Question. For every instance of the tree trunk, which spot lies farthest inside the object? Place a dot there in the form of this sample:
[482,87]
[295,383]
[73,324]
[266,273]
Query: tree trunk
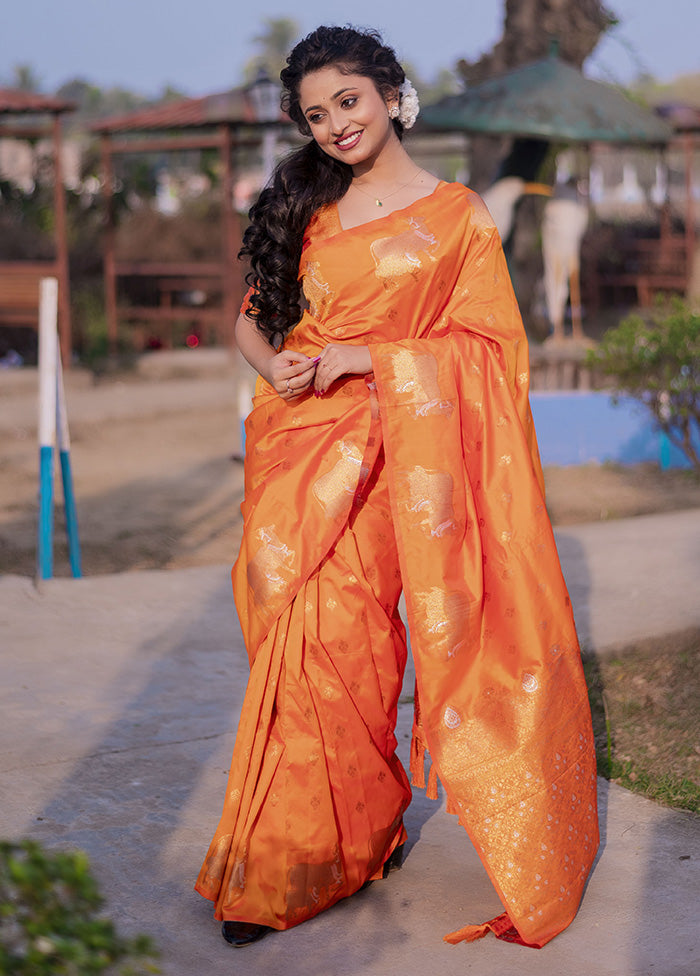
[530,27]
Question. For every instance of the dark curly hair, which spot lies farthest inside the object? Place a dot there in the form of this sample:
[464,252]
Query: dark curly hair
[308,178]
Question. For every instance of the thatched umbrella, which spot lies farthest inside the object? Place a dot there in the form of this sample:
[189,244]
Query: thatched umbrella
[550,100]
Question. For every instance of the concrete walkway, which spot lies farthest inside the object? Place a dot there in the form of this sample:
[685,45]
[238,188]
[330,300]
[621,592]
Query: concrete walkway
[120,697]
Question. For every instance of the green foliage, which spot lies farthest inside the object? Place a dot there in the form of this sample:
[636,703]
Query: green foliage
[671,791]
[274,43]
[50,922]
[656,360]
[91,340]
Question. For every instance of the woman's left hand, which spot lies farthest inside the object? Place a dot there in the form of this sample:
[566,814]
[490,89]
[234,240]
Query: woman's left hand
[339,359]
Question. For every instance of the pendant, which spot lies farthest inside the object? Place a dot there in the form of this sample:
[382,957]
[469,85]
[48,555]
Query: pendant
[379,202]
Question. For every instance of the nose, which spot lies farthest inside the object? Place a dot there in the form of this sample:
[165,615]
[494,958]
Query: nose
[338,123]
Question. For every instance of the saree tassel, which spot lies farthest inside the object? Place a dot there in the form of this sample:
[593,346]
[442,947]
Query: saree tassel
[469,933]
[451,806]
[417,761]
[432,791]
[501,926]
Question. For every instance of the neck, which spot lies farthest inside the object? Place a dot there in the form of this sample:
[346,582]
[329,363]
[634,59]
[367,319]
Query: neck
[388,167]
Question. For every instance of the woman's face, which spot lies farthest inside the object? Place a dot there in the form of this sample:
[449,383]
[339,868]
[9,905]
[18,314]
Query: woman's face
[347,116]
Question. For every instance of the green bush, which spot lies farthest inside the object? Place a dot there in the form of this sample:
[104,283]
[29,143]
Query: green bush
[50,921]
[656,360]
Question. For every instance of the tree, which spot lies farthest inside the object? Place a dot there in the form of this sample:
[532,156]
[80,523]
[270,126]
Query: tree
[275,40]
[529,28]
[657,361]
[25,78]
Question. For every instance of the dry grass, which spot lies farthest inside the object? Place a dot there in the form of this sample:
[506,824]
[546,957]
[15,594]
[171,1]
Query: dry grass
[646,718]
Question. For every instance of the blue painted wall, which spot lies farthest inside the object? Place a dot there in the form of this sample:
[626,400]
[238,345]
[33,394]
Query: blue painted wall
[580,428]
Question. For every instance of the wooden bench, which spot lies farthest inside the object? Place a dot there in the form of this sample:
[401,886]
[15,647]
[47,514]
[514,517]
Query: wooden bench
[649,266]
[174,284]
[19,292]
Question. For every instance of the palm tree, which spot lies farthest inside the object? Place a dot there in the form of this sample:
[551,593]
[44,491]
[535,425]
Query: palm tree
[25,78]
[274,41]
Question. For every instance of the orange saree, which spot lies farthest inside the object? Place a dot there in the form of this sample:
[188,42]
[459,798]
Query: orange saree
[423,475]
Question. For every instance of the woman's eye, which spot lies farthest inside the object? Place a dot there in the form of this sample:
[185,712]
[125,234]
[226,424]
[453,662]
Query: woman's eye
[313,119]
[349,102]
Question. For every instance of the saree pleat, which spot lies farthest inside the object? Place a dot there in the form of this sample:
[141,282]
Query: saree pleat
[423,475]
[316,794]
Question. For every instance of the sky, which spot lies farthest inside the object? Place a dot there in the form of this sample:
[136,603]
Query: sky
[200,46]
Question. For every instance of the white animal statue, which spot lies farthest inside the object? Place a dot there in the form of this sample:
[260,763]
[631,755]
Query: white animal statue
[563,225]
[500,198]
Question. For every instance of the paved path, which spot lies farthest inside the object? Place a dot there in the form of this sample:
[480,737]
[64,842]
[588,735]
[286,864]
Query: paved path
[120,696]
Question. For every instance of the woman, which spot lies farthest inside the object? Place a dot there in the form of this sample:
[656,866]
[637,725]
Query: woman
[391,445]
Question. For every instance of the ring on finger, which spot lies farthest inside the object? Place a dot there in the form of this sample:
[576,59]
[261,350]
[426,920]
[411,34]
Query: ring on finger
[289,388]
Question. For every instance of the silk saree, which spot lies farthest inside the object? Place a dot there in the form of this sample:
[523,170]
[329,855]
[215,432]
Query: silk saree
[424,476]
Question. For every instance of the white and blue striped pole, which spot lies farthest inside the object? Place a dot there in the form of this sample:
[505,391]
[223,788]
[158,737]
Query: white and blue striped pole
[67,474]
[48,353]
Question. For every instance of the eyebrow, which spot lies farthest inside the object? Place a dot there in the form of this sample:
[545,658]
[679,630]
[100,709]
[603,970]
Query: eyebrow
[313,108]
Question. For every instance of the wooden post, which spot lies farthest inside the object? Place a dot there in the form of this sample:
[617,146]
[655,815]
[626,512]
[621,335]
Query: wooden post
[61,238]
[689,208]
[109,271]
[229,235]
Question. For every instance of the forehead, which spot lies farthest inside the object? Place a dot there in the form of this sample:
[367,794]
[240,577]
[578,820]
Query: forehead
[321,86]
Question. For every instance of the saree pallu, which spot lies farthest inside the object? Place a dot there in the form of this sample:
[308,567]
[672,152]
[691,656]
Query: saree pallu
[422,475]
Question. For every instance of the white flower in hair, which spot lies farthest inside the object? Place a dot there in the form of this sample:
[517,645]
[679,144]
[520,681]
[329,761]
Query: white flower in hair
[409,106]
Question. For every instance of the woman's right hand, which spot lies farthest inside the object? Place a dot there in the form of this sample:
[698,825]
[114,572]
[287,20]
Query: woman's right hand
[290,373]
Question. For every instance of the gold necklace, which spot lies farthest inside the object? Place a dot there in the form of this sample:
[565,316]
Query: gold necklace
[378,202]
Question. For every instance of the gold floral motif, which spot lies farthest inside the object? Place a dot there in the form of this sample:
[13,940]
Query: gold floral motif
[443,619]
[403,253]
[271,568]
[430,497]
[416,382]
[335,489]
[316,290]
[238,873]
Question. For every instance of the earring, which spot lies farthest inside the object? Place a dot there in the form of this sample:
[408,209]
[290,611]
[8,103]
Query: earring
[394,112]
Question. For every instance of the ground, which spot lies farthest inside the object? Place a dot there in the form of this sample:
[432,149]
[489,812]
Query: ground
[158,478]
[159,481]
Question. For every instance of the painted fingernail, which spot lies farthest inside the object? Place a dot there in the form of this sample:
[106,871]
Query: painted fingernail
[316,360]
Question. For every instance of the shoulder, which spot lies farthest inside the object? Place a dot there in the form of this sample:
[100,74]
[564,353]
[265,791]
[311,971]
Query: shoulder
[475,210]
[322,224]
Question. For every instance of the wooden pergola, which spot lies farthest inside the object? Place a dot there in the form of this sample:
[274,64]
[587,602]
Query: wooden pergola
[19,280]
[226,122]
